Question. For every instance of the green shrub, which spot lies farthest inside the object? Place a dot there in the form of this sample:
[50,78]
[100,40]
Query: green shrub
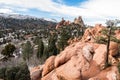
[2,73]
[101,40]
[20,72]
[23,73]
[114,39]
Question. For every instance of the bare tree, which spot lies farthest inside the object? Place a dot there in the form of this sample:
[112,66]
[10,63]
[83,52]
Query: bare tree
[110,24]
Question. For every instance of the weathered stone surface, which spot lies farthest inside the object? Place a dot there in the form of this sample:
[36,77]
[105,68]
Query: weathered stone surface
[100,55]
[72,69]
[72,64]
[114,48]
[91,33]
[48,66]
[65,55]
[88,52]
[110,73]
[94,69]
[62,23]
[51,76]
[79,21]
[36,72]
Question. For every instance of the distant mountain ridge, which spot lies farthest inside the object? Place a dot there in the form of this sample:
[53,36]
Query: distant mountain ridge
[17,16]
[23,21]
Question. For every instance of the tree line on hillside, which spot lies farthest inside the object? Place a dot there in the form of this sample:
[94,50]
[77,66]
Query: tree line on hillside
[49,41]
[28,23]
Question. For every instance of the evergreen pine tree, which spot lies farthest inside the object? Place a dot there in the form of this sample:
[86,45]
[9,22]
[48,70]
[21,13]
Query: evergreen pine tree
[8,50]
[52,44]
[40,49]
[27,50]
[110,24]
[63,37]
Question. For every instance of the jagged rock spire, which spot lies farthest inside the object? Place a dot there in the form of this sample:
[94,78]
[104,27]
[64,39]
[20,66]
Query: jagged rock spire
[79,21]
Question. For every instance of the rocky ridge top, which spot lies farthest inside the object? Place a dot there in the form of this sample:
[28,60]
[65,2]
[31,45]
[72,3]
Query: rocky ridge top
[81,60]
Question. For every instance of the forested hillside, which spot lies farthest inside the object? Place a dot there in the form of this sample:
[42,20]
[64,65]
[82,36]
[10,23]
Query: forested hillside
[23,22]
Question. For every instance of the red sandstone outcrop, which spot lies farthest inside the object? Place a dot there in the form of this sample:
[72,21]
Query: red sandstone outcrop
[110,73]
[77,21]
[36,72]
[114,47]
[62,23]
[113,51]
[91,33]
[48,66]
[83,60]
[74,64]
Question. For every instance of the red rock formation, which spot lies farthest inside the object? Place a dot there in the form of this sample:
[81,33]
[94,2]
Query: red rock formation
[79,21]
[72,64]
[91,33]
[63,22]
[36,72]
[110,73]
[83,60]
[49,66]
[60,23]
[113,51]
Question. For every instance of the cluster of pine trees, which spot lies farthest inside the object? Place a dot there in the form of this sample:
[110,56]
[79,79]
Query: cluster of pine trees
[53,44]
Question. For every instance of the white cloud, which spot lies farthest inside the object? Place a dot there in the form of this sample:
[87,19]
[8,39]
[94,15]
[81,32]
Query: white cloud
[104,7]
[6,11]
[94,10]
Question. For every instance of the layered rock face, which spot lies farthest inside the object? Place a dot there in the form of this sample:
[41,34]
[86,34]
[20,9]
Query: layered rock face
[62,23]
[91,33]
[83,60]
[36,72]
[77,21]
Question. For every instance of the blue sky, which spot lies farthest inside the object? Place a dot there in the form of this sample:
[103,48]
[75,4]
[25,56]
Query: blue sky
[92,11]
[70,2]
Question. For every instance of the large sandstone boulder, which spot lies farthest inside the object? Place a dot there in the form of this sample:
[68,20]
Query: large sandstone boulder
[113,51]
[80,61]
[88,52]
[72,69]
[75,62]
[72,64]
[114,48]
[66,55]
[100,55]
